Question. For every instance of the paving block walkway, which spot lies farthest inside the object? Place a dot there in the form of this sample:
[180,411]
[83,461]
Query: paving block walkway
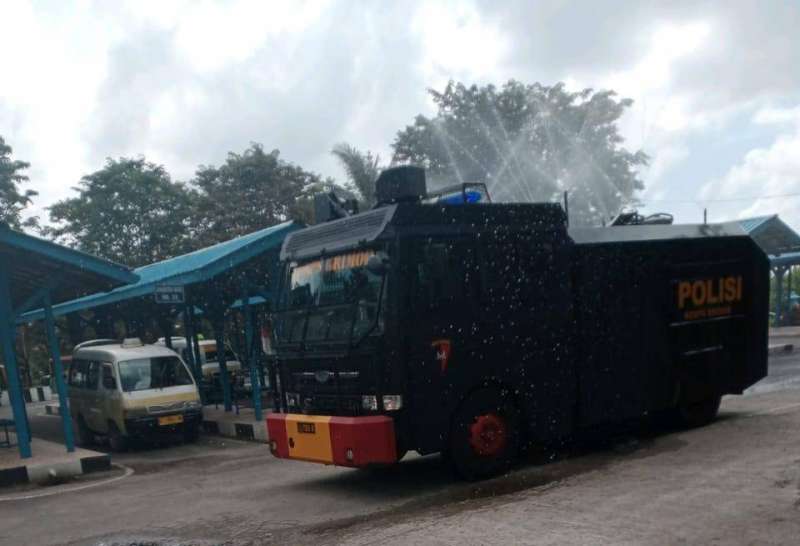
[50,462]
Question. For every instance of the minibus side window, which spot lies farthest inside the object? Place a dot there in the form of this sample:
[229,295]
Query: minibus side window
[92,374]
[107,377]
[77,373]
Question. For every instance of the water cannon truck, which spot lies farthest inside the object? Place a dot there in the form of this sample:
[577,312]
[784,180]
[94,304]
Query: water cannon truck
[443,322]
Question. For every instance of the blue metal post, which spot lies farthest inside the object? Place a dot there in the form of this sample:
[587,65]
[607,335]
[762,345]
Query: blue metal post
[194,361]
[779,272]
[10,359]
[58,370]
[219,334]
[255,380]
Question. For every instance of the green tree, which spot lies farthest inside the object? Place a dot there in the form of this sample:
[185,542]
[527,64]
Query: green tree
[251,191]
[362,170]
[12,200]
[528,143]
[129,211]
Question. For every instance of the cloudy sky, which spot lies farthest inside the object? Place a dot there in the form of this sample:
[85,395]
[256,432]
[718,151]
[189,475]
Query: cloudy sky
[716,84]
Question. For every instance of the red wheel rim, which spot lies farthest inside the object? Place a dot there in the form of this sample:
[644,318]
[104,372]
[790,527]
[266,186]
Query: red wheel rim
[488,435]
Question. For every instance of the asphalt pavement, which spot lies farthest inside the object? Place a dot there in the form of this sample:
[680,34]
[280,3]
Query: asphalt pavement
[736,481]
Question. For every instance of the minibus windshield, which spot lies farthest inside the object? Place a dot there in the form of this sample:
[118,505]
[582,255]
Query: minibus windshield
[160,372]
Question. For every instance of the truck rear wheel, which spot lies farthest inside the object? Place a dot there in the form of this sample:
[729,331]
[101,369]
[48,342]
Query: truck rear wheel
[696,412]
[484,435]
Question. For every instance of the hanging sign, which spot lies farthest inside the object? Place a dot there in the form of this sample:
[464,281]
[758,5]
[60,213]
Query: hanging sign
[169,295]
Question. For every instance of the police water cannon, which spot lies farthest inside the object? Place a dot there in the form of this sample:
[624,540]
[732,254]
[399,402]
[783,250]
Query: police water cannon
[439,322]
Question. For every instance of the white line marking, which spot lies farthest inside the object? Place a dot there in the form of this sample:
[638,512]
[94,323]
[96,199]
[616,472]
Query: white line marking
[128,472]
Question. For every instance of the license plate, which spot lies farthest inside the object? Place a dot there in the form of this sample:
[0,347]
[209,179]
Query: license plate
[170,420]
[306,428]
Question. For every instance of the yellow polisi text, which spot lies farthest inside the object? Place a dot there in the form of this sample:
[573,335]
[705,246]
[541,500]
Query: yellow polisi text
[706,292]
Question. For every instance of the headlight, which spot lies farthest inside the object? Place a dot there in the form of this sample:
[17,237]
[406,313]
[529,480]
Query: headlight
[392,402]
[193,404]
[292,399]
[369,402]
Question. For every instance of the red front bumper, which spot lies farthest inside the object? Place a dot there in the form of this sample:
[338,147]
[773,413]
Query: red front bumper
[343,441]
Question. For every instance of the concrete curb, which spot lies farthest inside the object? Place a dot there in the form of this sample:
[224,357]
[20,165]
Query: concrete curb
[781,348]
[35,394]
[241,430]
[253,431]
[48,473]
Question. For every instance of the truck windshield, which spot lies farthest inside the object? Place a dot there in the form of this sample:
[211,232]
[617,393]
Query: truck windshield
[335,296]
[141,374]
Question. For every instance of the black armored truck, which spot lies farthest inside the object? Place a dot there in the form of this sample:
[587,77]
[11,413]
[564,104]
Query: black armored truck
[448,323]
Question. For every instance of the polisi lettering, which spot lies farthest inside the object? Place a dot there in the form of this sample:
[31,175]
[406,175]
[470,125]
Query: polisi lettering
[703,292]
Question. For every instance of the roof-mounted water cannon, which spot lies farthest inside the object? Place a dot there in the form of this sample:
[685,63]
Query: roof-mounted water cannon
[400,184]
[329,206]
[633,218]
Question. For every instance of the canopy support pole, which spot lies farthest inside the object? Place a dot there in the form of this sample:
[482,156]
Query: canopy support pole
[58,371]
[219,334]
[779,272]
[7,331]
[255,379]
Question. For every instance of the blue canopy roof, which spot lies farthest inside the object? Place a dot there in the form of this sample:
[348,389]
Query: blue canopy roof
[751,225]
[36,267]
[195,267]
[772,234]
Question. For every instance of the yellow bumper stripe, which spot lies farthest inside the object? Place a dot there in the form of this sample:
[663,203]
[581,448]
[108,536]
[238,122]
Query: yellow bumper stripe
[309,437]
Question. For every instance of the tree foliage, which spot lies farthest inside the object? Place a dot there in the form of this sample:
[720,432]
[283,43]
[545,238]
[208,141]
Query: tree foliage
[251,191]
[528,143]
[129,211]
[13,200]
[362,170]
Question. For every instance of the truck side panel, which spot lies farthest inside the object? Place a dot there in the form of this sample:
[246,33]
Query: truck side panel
[653,315]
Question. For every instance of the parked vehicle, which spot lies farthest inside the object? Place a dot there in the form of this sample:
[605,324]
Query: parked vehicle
[131,390]
[450,324]
[210,365]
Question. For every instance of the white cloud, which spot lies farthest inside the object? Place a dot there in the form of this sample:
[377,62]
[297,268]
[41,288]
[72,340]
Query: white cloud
[458,44]
[769,177]
[773,116]
[185,82]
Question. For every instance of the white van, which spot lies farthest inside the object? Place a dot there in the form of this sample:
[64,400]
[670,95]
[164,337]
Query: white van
[131,390]
[208,356]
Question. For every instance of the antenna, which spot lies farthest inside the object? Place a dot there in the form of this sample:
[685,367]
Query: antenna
[705,216]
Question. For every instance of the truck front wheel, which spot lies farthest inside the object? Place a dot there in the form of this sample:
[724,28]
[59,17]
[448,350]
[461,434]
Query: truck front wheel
[484,435]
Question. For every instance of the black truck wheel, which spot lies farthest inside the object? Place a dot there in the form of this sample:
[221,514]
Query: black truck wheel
[692,412]
[484,435]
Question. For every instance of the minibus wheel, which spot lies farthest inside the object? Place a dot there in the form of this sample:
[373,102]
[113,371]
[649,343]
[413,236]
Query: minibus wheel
[484,435]
[191,433]
[116,440]
[85,436]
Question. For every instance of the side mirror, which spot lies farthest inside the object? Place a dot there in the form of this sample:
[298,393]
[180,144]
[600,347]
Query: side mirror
[378,264]
[109,383]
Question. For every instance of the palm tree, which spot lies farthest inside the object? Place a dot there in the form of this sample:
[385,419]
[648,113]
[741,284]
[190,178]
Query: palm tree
[362,169]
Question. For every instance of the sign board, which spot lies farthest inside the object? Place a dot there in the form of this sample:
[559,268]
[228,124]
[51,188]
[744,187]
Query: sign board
[170,295]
